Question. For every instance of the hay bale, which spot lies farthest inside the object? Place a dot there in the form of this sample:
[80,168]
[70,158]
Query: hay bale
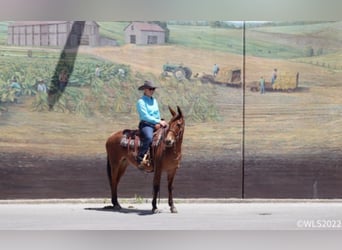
[285,81]
[227,75]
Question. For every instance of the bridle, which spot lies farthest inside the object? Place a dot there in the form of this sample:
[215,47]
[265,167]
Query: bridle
[178,134]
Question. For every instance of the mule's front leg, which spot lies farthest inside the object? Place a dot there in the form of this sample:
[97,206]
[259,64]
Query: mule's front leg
[170,177]
[156,189]
[173,209]
[116,204]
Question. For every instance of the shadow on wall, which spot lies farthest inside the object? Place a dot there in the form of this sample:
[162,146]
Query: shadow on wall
[65,65]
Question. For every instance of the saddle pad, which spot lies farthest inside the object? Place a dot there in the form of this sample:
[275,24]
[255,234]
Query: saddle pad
[130,138]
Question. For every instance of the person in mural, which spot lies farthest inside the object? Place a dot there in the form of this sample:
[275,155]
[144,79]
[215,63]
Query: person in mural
[63,79]
[216,69]
[149,115]
[41,87]
[97,71]
[262,85]
[121,72]
[16,86]
[274,76]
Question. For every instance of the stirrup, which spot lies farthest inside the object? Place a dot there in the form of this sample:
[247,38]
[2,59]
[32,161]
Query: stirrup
[145,168]
[145,165]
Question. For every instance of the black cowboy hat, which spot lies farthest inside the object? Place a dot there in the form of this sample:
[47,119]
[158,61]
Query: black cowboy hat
[147,85]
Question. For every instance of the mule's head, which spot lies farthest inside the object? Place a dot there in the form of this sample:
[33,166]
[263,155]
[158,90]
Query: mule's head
[176,128]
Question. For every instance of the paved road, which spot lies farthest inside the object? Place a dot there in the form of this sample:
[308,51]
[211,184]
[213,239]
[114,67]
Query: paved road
[191,216]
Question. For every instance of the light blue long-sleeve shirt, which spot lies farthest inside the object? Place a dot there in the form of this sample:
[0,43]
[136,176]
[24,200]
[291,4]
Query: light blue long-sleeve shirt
[148,109]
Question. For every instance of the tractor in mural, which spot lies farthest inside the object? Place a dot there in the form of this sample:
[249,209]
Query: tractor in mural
[179,71]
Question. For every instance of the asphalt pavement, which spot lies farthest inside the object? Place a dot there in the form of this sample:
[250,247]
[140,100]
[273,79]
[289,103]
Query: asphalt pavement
[192,215]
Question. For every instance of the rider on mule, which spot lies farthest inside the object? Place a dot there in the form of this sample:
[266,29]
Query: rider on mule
[149,115]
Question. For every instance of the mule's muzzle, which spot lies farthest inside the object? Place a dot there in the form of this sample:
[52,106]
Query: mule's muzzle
[169,143]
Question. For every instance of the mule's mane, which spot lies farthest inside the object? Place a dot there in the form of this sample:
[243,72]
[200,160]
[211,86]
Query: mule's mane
[160,149]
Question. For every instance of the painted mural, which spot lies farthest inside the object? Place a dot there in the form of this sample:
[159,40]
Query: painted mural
[261,101]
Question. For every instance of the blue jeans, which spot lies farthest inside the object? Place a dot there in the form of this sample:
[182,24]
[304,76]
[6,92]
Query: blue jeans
[146,131]
[62,86]
[262,88]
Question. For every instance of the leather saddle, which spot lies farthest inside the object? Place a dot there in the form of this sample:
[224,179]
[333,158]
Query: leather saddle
[131,138]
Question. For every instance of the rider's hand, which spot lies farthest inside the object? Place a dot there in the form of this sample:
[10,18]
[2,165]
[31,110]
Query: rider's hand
[163,123]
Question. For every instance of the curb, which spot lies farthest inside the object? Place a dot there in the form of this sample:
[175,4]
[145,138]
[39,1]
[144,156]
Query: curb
[107,201]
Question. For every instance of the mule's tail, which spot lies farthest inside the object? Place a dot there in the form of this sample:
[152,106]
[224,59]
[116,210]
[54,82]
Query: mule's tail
[109,171]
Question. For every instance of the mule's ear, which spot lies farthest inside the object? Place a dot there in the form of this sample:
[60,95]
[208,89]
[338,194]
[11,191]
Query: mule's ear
[173,113]
[179,111]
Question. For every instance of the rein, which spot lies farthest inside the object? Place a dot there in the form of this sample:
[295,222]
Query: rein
[177,135]
[159,148]
[174,133]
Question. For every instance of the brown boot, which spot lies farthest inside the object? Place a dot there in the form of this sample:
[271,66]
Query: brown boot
[145,165]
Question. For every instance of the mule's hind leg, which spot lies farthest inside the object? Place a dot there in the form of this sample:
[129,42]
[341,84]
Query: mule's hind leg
[119,170]
[170,178]
[112,172]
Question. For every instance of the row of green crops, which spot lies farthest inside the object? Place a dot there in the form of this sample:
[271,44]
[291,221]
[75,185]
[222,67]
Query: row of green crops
[110,95]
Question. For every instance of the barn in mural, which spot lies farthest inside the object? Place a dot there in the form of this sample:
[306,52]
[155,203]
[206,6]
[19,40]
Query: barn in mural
[51,33]
[144,33]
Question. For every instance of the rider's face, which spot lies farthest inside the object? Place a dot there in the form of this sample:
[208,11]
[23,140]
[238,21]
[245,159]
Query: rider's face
[149,92]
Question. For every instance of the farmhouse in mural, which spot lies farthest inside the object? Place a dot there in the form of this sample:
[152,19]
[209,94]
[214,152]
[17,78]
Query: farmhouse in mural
[51,33]
[144,33]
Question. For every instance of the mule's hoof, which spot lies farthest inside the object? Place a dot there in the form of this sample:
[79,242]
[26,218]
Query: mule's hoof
[173,210]
[156,211]
[116,207]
